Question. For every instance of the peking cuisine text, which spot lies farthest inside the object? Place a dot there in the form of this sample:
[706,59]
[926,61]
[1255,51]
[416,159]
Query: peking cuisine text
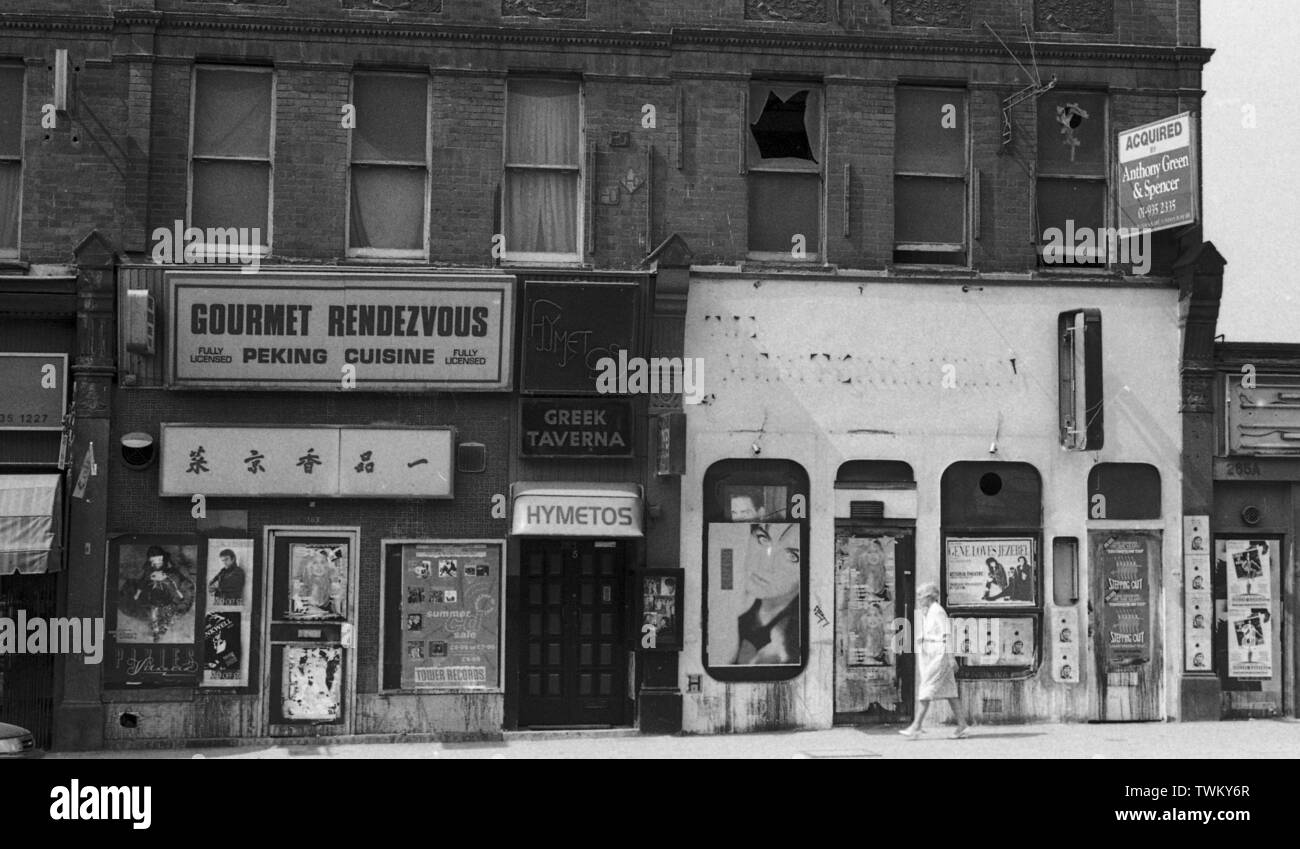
[351,320]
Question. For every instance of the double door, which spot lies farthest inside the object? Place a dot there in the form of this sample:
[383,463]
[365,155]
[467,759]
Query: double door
[572,662]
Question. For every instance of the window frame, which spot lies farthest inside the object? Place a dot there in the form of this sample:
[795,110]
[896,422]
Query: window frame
[812,257]
[546,258]
[961,251]
[421,253]
[1071,263]
[7,253]
[264,249]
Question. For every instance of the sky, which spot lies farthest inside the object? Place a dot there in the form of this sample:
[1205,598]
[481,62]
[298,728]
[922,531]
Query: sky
[1251,174]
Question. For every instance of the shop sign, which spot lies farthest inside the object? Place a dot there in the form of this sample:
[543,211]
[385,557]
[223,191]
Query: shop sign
[33,391]
[576,428]
[450,615]
[991,572]
[322,461]
[576,510]
[1158,174]
[568,327]
[318,331]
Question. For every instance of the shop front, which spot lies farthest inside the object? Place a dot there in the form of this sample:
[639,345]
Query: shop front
[303,535]
[859,438]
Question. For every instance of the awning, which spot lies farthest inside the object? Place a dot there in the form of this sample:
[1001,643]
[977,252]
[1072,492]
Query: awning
[29,524]
[576,510]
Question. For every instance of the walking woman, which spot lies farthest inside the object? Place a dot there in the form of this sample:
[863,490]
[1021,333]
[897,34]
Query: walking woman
[935,665]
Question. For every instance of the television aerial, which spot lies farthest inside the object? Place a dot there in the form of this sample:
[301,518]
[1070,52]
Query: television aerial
[1036,87]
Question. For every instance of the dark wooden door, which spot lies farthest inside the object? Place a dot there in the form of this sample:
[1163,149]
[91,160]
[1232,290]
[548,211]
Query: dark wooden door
[572,664]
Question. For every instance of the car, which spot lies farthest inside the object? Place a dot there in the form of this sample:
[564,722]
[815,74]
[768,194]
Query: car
[17,742]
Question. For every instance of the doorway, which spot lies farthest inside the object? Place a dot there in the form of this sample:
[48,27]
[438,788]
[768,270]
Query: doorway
[311,609]
[874,579]
[1123,608]
[572,658]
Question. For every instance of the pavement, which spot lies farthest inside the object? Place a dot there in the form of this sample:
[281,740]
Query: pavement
[1259,738]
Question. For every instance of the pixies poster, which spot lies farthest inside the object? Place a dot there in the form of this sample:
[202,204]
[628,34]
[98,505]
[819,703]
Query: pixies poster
[150,604]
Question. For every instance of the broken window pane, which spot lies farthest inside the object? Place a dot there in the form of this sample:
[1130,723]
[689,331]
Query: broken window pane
[1072,133]
[784,126]
[782,206]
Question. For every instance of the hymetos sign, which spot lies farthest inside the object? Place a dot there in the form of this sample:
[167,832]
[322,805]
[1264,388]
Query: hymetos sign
[322,331]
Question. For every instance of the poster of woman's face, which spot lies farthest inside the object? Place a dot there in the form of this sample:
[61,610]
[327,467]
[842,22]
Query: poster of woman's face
[318,581]
[155,593]
[754,594]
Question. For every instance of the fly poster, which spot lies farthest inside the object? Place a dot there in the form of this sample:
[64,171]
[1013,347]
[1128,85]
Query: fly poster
[988,572]
[150,606]
[866,676]
[227,619]
[1250,641]
[1249,568]
[451,615]
[312,681]
[1125,561]
[754,594]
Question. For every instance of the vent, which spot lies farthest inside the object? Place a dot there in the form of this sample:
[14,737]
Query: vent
[1251,515]
[866,510]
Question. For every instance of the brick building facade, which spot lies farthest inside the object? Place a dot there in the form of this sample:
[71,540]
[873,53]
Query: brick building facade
[765,184]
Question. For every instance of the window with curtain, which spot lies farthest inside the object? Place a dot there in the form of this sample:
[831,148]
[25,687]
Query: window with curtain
[930,175]
[230,174]
[11,156]
[543,180]
[389,174]
[783,159]
[1071,186]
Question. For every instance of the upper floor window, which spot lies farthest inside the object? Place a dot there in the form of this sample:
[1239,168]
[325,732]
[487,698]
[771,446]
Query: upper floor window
[11,157]
[543,171]
[390,173]
[931,166]
[231,144]
[1071,187]
[783,159]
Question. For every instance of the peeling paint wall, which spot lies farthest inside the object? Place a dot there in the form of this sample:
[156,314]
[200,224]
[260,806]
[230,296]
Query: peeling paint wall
[822,371]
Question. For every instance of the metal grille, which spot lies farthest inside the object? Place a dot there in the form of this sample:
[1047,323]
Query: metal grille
[866,509]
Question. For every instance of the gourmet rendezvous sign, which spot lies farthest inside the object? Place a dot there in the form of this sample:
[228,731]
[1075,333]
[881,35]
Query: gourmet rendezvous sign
[328,331]
[1158,174]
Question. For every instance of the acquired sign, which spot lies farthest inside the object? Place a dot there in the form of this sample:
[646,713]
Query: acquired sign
[33,392]
[1158,174]
[334,331]
[355,462]
[576,428]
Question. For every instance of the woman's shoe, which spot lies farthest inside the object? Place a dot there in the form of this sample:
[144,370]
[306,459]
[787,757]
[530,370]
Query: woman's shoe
[961,732]
[909,731]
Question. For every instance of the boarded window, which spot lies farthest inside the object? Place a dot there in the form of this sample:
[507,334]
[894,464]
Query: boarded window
[1072,167]
[231,169]
[389,165]
[543,170]
[930,175]
[11,156]
[783,156]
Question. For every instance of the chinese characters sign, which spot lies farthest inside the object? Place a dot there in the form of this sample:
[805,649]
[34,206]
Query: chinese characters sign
[357,462]
[450,615]
[304,331]
[987,572]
